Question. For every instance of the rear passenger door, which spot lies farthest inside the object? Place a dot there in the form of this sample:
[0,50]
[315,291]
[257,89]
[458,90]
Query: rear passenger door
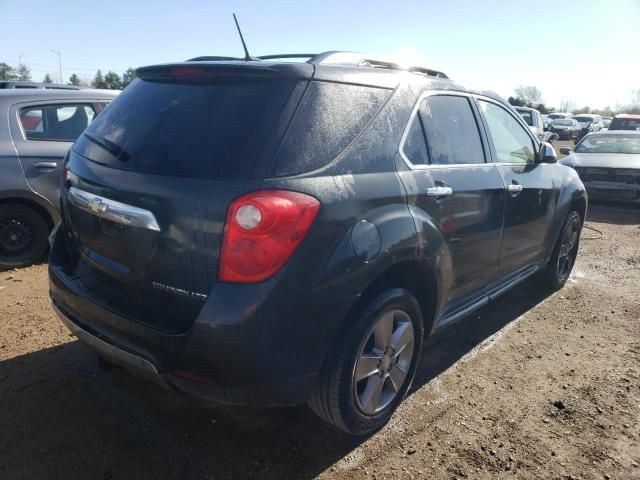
[42,134]
[451,186]
[530,197]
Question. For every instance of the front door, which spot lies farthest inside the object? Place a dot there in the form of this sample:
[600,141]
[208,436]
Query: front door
[451,186]
[530,197]
[42,134]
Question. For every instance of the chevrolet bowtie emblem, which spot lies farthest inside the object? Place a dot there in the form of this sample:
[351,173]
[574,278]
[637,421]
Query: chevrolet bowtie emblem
[97,206]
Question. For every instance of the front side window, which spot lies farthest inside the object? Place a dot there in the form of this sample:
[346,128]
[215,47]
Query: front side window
[56,122]
[451,130]
[511,142]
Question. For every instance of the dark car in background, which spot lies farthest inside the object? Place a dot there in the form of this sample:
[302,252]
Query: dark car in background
[566,128]
[38,127]
[625,121]
[608,164]
[274,233]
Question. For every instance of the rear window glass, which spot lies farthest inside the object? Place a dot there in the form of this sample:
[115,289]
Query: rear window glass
[526,116]
[625,124]
[205,130]
[329,118]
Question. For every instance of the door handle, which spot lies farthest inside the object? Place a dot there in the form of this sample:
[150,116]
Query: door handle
[46,165]
[514,187]
[439,191]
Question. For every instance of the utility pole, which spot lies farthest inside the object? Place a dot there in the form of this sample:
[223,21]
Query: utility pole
[57,52]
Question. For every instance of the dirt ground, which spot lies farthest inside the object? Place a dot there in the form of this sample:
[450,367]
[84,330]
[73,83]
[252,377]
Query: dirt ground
[530,387]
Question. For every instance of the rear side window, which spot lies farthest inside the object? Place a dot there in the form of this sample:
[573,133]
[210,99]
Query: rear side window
[188,128]
[328,119]
[62,123]
[415,148]
[451,131]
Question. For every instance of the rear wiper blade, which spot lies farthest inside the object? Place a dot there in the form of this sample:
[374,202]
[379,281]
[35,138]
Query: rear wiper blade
[109,146]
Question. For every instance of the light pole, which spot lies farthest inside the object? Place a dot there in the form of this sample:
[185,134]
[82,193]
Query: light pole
[57,52]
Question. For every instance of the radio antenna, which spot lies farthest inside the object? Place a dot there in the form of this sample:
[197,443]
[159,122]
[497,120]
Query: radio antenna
[247,56]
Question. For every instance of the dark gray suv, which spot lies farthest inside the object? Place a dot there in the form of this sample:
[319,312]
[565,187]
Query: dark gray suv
[37,127]
[267,233]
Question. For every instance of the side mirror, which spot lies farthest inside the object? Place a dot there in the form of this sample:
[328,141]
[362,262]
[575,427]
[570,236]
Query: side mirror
[565,150]
[547,154]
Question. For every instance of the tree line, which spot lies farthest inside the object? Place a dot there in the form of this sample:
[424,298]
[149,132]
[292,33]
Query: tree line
[110,80]
[530,96]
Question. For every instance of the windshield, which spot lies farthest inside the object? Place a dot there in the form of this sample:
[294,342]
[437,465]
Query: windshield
[203,130]
[526,115]
[563,123]
[583,119]
[610,144]
[553,116]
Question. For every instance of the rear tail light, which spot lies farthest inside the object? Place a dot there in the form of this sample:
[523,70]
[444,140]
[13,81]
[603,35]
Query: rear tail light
[186,71]
[262,231]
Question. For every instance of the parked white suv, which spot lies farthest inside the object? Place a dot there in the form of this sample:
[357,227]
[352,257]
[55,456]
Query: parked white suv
[534,120]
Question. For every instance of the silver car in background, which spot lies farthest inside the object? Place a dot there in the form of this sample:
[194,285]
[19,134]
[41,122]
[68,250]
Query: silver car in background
[534,120]
[608,164]
[37,127]
[588,123]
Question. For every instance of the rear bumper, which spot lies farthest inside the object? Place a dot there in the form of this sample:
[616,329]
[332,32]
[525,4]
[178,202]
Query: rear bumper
[250,345]
[116,354]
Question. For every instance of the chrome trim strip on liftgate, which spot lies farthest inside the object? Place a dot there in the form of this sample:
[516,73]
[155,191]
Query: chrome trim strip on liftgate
[111,210]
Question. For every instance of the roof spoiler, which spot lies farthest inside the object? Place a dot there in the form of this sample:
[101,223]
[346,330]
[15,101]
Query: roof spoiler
[338,58]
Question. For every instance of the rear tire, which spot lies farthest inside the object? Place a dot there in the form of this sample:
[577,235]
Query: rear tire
[557,271]
[366,377]
[23,236]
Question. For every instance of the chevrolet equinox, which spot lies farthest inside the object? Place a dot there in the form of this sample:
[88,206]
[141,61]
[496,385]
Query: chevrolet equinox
[268,232]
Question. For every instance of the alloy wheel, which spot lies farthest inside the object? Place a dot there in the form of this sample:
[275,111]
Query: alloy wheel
[383,361]
[567,253]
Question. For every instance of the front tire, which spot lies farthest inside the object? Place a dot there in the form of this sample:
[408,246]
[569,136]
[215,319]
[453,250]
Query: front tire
[370,369]
[23,236]
[557,271]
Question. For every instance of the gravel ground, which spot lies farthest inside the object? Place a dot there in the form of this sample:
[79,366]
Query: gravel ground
[530,387]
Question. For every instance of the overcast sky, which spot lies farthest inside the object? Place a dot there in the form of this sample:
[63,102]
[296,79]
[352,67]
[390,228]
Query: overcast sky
[586,51]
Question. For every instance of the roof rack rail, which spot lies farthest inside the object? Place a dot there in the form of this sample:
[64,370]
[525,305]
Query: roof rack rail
[339,58]
[288,55]
[354,59]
